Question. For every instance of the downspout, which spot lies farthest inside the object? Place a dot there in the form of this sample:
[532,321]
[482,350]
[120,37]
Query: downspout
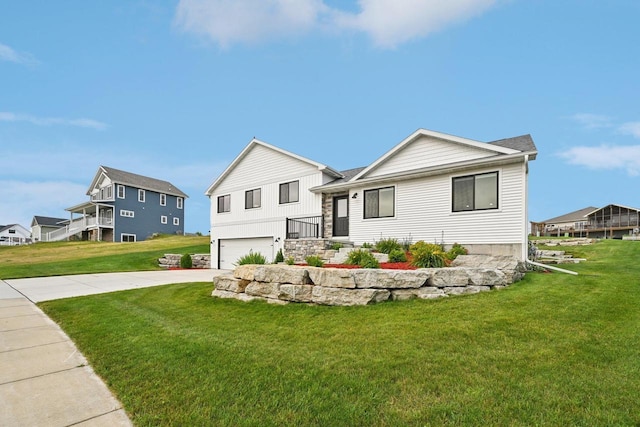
[525,246]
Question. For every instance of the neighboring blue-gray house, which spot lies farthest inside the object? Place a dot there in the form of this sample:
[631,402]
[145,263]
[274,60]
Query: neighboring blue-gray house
[125,207]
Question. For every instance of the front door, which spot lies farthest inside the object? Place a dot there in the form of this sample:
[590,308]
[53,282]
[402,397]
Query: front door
[341,216]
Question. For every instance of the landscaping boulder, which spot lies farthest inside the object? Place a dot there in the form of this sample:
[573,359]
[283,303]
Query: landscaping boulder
[426,292]
[390,279]
[512,268]
[263,289]
[245,272]
[338,296]
[449,276]
[239,296]
[230,283]
[281,274]
[332,277]
[295,293]
[486,277]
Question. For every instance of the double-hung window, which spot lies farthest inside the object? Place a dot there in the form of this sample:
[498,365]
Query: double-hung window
[179,202]
[252,199]
[475,192]
[379,203]
[163,219]
[120,191]
[141,194]
[163,199]
[289,192]
[224,203]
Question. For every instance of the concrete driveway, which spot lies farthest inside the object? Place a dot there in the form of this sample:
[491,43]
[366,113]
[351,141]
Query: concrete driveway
[44,380]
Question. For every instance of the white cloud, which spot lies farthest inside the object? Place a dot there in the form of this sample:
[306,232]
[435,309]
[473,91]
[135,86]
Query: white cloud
[606,157]
[21,200]
[10,55]
[393,22]
[592,121]
[247,21]
[388,22]
[630,128]
[50,121]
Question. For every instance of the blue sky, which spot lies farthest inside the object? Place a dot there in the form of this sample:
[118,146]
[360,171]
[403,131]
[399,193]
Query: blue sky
[176,89]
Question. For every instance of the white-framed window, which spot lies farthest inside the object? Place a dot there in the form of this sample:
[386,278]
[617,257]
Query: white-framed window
[289,192]
[176,220]
[163,219]
[163,199]
[252,198]
[475,192]
[224,203]
[379,203]
[128,214]
[179,202]
[125,237]
[121,191]
[141,195]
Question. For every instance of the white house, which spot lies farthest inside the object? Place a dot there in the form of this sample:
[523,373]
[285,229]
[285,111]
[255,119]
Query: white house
[41,225]
[14,234]
[431,186]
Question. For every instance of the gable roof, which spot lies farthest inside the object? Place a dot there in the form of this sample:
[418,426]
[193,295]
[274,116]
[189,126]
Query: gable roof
[254,142]
[10,226]
[579,215]
[500,147]
[47,221]
[610,206]
[118,176]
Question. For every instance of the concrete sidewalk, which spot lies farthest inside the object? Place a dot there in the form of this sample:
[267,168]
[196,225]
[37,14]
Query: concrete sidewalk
[44,380]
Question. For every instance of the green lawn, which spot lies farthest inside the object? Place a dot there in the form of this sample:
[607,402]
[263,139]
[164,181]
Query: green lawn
[554,349]
[61,258]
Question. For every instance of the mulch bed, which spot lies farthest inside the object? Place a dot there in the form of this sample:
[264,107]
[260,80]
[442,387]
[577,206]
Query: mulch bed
[386,265]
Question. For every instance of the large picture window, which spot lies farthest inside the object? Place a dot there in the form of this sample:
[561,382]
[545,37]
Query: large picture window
[224,203]
[252,199]
[475,192]
[289,192]
[379,203]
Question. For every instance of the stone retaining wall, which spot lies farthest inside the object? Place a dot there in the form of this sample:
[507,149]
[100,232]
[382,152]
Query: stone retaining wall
[300,249]
[173,261]
[282,284]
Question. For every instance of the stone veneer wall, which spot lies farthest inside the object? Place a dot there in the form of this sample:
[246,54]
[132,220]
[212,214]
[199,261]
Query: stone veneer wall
[173,261]
[300,249]
[282,284]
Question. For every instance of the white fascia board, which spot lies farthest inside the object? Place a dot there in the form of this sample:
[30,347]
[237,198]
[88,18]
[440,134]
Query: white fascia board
[434,134]
[97,176]
[321,167]
[420,173]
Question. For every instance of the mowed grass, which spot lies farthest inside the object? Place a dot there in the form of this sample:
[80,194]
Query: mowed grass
[61,258]
[553,349]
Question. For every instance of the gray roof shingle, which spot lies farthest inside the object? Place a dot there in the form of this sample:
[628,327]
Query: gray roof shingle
[521,143]
[143,182]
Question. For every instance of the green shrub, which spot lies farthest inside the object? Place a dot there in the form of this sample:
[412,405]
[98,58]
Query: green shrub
[367,245]
[397,255]
[290,260]
[314,261]
[186,261]
[387,245]
[279,257]
[406,243]
[336,246]
[362,258]
[252,258]
[427,255]
[456,249]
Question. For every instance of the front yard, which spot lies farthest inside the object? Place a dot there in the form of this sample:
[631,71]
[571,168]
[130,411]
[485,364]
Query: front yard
[552,349]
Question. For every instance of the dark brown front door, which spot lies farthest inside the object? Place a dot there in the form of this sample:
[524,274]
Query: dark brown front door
[341,216]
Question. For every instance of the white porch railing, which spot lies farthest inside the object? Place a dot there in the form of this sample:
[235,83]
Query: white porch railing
[76,226]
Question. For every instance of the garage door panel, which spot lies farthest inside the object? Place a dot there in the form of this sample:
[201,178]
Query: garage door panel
[233,249]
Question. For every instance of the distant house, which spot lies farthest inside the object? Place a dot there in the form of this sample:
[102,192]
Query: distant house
[431,186]
[41,225]
[125,207]
[573,224]
[14,234]
[611,221]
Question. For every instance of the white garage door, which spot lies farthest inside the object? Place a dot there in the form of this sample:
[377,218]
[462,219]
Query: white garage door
[232,249]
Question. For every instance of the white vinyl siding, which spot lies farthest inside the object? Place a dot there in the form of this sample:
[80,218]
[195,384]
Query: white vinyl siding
[427,151]
[424,212]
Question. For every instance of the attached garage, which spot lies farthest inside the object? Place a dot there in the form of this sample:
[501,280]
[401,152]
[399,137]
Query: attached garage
[230,250]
